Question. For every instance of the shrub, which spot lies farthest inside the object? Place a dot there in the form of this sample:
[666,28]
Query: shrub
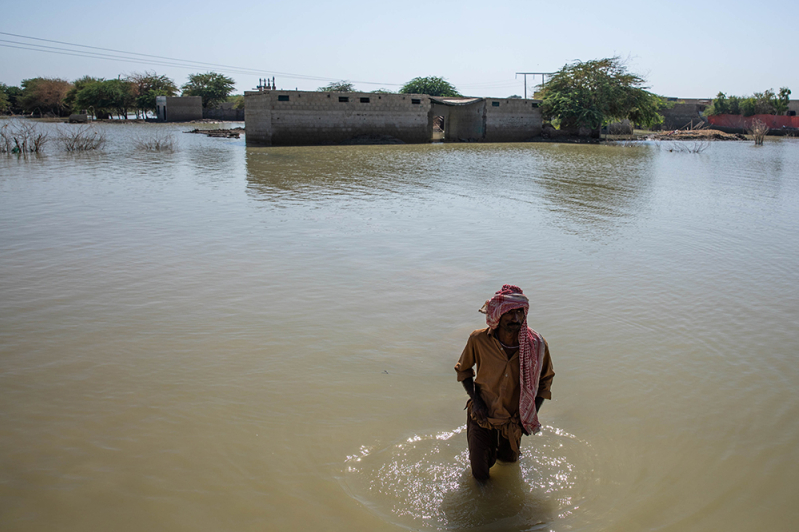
[22,137]
[81,138]
[158,141]
[758,130]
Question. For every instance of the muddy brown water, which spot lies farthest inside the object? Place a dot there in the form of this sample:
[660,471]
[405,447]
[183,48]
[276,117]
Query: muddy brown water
[224,338]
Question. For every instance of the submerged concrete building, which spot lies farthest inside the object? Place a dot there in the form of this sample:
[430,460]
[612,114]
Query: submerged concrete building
[286,118]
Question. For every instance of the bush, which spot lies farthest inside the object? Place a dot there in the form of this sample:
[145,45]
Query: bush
[81,138]
[158,141]
[22,137]
[758,130]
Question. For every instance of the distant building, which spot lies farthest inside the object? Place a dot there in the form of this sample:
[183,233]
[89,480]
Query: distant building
[178,108]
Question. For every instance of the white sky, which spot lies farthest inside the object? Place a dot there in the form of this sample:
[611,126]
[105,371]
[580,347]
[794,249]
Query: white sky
[683,49]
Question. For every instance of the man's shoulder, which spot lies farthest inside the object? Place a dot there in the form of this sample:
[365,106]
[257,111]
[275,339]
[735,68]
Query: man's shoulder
[479,333]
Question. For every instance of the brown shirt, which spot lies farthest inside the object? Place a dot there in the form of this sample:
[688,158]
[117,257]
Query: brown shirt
[498,376]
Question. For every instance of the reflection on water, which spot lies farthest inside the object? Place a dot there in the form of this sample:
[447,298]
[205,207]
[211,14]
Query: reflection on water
[589,190]
[594,190]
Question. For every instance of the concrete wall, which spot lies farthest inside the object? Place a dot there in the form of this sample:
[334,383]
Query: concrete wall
[284,118]
[178,108]
[683,113]
[462,123]
[224,111]
[258,119]
[511,119]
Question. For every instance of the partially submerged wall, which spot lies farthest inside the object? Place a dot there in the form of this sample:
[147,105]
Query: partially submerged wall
[224,111]
[292,118]
[463,118]
[511,120]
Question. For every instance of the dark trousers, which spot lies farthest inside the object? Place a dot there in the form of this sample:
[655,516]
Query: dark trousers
[485,447]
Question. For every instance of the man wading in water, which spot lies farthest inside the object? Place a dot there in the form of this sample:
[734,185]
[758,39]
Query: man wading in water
[514,374]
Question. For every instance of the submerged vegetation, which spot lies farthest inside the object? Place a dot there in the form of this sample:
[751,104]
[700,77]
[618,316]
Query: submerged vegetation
[685,147]
[758,130]
[81,138]
[21,137]
[163,141]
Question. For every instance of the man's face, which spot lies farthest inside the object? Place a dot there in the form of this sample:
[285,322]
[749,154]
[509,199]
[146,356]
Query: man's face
[512,320]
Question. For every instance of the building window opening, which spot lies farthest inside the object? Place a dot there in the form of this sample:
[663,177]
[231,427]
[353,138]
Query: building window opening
[364,100]
[283,98]
[495,104]
[343,99]
[415,101]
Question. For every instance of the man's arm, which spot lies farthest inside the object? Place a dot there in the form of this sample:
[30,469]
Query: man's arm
[545,380]
[479,408]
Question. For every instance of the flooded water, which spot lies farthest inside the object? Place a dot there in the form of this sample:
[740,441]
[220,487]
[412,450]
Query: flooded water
[224,338]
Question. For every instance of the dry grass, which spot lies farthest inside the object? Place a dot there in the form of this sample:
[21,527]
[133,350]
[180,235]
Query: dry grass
[17,136]
[81,138]
[758,130]
[157,141]
[698,135]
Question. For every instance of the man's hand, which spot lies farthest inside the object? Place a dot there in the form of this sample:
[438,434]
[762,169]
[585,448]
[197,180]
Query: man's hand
[479,408]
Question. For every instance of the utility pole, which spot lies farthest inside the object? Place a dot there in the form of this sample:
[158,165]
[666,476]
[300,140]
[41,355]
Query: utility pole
[543,78]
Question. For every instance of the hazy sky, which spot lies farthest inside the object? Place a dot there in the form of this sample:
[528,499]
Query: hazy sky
[684,49]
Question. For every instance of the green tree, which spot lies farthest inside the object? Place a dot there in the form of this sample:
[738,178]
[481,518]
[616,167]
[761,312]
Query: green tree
[4,105]
[592,93]
[213,88]
[149,85]
[44,95]
[237,100]
[782,100]
[720,105]
[72,94]
[337,86]
[12,94]
[430,85]
[107,96]
[765,102]
[734,106]
[382,91]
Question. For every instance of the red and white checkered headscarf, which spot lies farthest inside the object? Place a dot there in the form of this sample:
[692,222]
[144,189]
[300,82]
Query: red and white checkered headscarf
[531,351]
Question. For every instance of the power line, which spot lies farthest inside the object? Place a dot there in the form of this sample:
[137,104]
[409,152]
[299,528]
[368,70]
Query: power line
[154,59]
[91,55]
